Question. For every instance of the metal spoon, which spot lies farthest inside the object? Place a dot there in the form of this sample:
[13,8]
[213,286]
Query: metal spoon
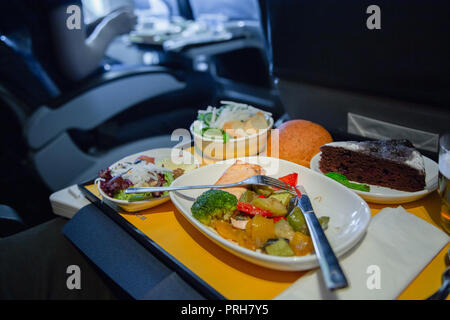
[444,290]
[333,275]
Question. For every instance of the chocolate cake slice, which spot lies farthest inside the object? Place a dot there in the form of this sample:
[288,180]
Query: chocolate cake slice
[394,164]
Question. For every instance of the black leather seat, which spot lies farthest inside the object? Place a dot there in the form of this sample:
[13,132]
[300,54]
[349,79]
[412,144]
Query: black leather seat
[50,114]
[10,221]
[329,64]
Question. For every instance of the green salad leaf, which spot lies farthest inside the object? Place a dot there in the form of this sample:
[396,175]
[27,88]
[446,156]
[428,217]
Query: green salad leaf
[168,176]
[226,137]
[131,197]
[212,133]
[216,134]
[205,130]
[343,180]
[121,195]
[205,117]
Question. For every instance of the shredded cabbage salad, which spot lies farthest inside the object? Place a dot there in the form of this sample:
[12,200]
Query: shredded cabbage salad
[115,180]
[210,122]
[138,173]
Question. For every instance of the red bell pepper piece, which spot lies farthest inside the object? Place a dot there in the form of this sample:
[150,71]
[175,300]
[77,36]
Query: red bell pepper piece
[276,219]
[290,179]
[262,196]
[252,210]
[147,159]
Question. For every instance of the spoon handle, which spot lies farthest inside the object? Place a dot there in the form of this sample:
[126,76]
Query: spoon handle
[443,291]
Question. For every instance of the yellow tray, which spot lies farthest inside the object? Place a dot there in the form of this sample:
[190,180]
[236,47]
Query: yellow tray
[235,278]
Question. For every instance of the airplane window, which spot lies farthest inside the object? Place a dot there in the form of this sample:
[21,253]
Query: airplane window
[94,9]
[232,10]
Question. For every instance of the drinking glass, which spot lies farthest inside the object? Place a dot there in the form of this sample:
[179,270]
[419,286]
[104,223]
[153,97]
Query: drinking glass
[444,176]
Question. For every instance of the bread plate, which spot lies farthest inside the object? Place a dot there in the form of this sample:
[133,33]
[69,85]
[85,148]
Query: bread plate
[349,214]
[385,195]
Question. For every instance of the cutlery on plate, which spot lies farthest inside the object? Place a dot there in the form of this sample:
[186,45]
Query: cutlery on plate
[126,169]
[444,290]
[333,275]
[332,272]
[255,180]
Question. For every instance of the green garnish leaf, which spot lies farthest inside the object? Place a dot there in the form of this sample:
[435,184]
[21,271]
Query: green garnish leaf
[226,137]
[343,180]
[205,117]
[337,176]
[216,134]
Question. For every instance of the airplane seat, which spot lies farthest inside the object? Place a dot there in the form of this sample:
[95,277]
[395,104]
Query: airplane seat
[363,83]
[49,114]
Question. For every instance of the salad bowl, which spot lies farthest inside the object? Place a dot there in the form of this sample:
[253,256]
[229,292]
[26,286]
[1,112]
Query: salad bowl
[223,147]
[162,156]
[349,214]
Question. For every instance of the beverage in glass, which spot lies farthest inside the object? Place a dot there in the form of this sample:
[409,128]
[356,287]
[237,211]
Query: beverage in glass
[444,176]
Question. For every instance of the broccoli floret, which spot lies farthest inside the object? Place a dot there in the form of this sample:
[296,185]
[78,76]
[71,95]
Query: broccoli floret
[213,204]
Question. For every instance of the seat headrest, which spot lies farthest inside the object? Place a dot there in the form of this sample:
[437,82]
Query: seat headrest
[22,75]
[328,43]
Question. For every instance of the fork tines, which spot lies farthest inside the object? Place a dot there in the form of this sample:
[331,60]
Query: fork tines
[276,183]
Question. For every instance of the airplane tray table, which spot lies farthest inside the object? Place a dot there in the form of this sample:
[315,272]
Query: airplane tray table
[213,272]
[139,266]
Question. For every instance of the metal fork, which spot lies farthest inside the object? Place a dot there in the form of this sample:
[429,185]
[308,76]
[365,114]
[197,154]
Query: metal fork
[255,180]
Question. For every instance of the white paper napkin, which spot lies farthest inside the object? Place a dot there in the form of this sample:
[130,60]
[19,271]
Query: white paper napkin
[395,249]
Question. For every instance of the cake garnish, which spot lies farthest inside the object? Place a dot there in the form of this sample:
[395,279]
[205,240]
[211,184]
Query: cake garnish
[343,180]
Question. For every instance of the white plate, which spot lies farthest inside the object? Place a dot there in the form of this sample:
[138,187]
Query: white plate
[159,155]
[385,195]
[349,214]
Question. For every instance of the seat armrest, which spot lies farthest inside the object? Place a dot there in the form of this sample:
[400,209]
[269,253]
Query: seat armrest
[10,221]
[215,48]
[99,100]
[107,76]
